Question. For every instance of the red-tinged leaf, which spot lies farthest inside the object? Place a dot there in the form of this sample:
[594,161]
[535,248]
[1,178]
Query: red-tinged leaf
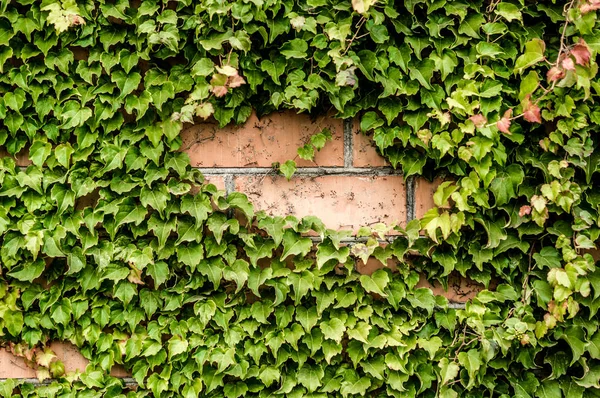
[235,81]
[555,74]
[531,112]
[219,91]
[581,52]
[568,63]
[504,123]
[586,7]
[524,210]
[478,120]
[76,20]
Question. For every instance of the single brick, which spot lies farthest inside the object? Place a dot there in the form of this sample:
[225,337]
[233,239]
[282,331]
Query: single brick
[341,202]
[260,143]
[364,150]
[424,191]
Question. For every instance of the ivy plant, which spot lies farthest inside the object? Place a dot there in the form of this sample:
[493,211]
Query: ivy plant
[112,242]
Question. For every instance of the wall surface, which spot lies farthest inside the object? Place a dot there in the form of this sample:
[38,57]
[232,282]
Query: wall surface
[348,185]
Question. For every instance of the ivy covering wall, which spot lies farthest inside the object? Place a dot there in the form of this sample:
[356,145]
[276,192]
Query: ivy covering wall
[110,240]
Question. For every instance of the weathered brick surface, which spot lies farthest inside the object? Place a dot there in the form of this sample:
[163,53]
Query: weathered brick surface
[12,366]
[260,143]
[364,151]
[341,202]
[424,191]
[217,180]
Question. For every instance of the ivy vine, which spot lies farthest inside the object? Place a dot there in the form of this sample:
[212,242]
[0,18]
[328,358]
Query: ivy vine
[111,241]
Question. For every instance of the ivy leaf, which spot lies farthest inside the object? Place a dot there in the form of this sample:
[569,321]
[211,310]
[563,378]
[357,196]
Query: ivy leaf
[547,257]
[356,386]
[422,298]
[274,227]
[28,271]
[505,185]
[471,361]
[155,198]
[448,370]
[362,6]
[268,375]
[288,169]
[549,389]
[496,233]
[126,82]
[13,322]
[295,245]
[161,94]
[574,336]
[177,346]
[162,229]
[234,390]
[508,11]
[39,152]
[295,48]
[333,329]
[159,271]
[310,377]
[262,249]
[376,283]
[534,53]
[326,251]
[591,376]
[197,206]
[307,317]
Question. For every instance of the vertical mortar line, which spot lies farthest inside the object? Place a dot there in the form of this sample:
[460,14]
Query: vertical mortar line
[348,143]
[229,184]
[410,199]
[229,188]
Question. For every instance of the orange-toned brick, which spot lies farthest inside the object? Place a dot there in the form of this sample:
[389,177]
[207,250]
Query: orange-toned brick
[424,191]
[12,366]
[341,202]
[260,143]
[217,180]
[364,150]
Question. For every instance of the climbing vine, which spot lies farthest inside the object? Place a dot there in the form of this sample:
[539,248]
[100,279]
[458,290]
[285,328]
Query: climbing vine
[111,241]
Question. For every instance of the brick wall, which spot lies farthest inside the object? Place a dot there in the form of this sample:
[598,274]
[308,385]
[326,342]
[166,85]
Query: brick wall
[348,185]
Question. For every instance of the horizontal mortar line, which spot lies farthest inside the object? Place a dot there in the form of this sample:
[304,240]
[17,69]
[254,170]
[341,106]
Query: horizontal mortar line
[457,306]
[302,171]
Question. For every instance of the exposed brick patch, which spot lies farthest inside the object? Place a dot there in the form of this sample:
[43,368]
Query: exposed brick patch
[424,191]
[341,202]
[260,143]
[364,150]
[217,180]
[12,366]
